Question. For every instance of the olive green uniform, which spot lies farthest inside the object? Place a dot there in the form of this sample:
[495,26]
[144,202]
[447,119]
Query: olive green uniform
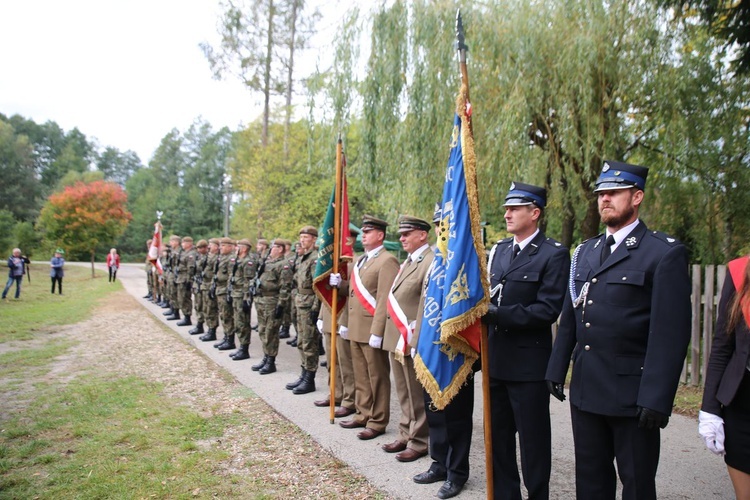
[244,272]
[307,305]
[198,294]
[274,284]
[184,280]
[210,305]
[222,281]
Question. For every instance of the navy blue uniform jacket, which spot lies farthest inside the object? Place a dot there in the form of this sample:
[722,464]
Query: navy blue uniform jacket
[729,354]
[629,337]
[534,285]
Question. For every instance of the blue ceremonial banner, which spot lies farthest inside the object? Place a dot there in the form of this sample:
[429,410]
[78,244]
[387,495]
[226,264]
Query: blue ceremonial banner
[457,289]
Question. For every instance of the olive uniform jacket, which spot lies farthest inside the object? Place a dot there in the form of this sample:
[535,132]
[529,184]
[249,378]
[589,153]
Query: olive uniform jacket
[629,334]
[377,275]
[407,289]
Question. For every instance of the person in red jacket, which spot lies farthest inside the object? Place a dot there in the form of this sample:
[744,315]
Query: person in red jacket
[113,264]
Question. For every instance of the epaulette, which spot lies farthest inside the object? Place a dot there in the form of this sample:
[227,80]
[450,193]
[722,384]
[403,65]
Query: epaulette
[669,240]
[553,242]
[504,240]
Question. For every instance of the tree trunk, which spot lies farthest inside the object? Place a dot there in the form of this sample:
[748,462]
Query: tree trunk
[267,75]
[590,223]
[289,79]
[92,264]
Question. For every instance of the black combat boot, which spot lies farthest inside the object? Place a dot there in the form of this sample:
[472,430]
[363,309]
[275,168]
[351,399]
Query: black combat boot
[228,343]
[254,327]
[307,385]
[260,365]
[166,305]
[292,342]
[321,347]
[242,353]
[269,367]
[174,316]
[185,321]
[209,336]
[284,332]
[197,330]
[147,296]
[292,385]
[221,342]
[169,310]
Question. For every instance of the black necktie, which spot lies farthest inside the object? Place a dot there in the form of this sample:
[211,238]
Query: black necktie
[362,261]
[516,251]
[607,250]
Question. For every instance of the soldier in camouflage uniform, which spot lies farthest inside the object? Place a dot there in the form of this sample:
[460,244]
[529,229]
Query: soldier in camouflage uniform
[164,261]
[293,262]
[208,288]
[308,306]
[174,256]
[223,273]
[274,282]
[199,296]
[184,279]
[288,305]
[243,277]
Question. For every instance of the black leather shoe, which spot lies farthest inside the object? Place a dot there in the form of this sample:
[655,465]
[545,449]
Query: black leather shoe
[429,477]
[449,489]
[228,344]
[258,366]
[209,336]
[242,353]
[221,342]
[269,367]
[307,385]
[291,385]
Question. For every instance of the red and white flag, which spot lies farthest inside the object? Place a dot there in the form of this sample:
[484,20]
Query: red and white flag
[153,251]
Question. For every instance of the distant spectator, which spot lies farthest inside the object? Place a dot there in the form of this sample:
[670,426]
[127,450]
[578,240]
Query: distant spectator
[113,264]
[17,264]
[56,271]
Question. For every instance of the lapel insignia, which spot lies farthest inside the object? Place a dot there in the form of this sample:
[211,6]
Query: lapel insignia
[629,242]
[420,258]
[596,245]
[558,244]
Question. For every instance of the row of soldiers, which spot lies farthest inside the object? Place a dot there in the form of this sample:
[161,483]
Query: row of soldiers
[222,278]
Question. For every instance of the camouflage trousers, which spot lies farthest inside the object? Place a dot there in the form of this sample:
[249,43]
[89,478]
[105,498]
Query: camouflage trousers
[241,321]
[268,326]
[210,310]
[286,319]
[198,297]
[227,314]
[308,338]
[185,297]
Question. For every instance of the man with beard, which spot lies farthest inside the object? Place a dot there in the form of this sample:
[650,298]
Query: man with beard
[626,323]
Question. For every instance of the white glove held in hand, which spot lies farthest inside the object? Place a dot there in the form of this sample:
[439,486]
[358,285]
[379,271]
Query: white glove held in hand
[413,352]
[375,341]
[711,429]
[334,280]
[319,325]
[344,332]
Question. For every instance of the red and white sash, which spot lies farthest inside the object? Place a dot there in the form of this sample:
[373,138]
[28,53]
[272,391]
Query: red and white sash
[363,295]
[398,316]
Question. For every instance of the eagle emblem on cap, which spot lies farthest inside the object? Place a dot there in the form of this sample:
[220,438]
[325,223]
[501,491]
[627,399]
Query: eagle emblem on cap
[512,186]
[605,168]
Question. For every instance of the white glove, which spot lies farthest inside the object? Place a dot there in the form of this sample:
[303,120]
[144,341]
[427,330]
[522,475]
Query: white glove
[344,332]
[375,341]
[413,352]
[334,279]
[711,429]
[319,324]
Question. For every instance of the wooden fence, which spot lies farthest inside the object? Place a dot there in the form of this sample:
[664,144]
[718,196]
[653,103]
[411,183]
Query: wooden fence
[707,284]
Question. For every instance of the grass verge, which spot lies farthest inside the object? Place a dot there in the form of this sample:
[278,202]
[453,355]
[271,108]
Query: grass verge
[37,309]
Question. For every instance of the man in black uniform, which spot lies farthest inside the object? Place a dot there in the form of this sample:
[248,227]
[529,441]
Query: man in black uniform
[528,279]
[626,323]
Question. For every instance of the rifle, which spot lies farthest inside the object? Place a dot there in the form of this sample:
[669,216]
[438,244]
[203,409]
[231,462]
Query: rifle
[212,289]
[255,287]
[230,284]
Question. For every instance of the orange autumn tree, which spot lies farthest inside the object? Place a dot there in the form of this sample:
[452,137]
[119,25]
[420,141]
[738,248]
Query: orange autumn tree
[84,215]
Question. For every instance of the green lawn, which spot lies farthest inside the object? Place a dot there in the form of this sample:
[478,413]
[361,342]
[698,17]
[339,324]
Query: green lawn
[37,310]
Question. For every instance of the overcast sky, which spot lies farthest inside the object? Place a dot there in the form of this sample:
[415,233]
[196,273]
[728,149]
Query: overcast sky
[125,73]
